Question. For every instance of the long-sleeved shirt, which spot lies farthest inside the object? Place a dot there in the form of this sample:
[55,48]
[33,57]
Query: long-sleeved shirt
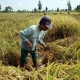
[32,34]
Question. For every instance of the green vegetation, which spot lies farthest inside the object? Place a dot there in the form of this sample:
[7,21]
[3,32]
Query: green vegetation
[62,58]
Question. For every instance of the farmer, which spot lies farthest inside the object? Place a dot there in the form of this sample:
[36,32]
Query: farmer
[44,12]
[30,37]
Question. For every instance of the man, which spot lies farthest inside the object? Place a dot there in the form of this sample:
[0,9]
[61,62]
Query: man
[30,37]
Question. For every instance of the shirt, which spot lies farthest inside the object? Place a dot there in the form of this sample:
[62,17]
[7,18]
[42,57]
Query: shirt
[34,35]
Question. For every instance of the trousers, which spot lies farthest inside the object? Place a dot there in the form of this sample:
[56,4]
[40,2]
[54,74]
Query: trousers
[24,55]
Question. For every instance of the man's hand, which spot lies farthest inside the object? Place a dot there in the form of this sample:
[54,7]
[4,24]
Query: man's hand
[46,48]
[29,44]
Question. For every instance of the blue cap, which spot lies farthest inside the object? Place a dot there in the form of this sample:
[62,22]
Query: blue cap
[46,21]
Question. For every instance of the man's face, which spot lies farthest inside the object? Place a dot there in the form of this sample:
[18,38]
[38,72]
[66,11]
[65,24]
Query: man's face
[43,27]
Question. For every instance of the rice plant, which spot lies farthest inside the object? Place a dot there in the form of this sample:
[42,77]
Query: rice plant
[63,53]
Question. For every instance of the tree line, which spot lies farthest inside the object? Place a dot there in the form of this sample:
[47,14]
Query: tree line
[10,9]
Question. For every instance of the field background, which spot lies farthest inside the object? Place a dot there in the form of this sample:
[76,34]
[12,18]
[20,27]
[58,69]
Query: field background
[61,61]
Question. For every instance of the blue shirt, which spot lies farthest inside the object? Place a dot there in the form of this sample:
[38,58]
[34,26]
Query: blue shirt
[34,35]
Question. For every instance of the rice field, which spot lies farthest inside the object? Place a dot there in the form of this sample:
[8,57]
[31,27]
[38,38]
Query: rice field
[61,61]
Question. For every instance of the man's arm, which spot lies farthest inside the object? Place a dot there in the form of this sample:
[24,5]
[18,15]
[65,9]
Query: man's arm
[40,39]
[24,34]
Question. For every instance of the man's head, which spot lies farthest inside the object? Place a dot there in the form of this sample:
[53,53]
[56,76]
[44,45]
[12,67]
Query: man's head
[45,23]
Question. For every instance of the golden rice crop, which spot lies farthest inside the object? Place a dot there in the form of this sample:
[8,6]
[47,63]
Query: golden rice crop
[63,42]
